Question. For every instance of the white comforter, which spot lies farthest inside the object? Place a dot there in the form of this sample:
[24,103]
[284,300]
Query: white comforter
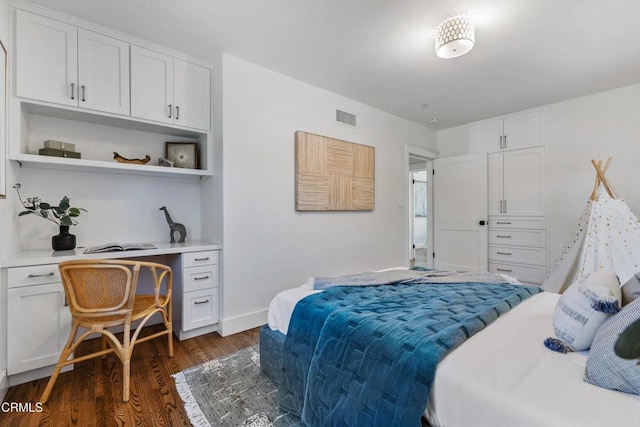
[504,376]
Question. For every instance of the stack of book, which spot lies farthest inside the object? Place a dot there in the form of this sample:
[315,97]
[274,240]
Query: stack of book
[59,149]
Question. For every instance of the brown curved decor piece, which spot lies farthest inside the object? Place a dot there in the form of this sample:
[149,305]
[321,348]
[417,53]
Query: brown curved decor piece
[121,159]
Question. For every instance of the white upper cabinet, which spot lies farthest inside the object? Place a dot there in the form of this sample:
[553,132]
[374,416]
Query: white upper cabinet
[512,132]
[46,59]
[57,62]
[517,182]
[103,73]
[169,90]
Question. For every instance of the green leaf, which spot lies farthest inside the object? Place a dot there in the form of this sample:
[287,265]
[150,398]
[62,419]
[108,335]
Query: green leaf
[65,220]
[25,213]
[45,205]
[44,213]
[64,204]
[74,212]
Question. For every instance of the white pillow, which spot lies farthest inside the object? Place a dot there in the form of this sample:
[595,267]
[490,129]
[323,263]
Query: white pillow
[582,309]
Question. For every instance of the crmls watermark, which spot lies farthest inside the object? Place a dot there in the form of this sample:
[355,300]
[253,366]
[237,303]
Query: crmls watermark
[20,407]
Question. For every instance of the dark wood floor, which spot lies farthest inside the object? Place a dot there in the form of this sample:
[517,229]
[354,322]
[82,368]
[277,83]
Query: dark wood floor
[91,394]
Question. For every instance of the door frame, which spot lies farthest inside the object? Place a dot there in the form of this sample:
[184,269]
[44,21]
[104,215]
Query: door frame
[428,156]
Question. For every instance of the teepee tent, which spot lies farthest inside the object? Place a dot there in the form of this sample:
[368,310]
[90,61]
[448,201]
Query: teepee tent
[607,238]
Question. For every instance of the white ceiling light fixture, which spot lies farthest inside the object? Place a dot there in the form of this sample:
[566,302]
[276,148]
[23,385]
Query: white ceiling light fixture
[455,37]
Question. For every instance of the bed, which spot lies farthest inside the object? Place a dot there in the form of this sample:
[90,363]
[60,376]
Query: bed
[499,376]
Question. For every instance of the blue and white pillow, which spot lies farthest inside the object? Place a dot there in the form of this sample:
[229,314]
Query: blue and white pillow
[582,309]
[605,368]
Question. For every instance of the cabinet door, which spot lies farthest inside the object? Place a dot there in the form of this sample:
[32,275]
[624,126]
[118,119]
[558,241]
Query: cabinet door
[495,184]
[46,59]
[525,190]
[151,85]
[485,136]
[192,95]
[199,308]
[525,130]
[38,326]
[103,64]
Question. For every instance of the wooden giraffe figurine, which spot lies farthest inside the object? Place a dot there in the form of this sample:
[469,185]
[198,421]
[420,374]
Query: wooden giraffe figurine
[174,227]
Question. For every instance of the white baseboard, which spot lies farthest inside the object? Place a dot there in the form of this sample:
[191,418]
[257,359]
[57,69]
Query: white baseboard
[245,322]
[4,384]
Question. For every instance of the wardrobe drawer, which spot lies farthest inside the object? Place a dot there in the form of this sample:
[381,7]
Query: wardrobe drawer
[199,308]
[33,275]
[524,273]
[197,278]
[535,238]
[524,255]
[194,259]
[532,223]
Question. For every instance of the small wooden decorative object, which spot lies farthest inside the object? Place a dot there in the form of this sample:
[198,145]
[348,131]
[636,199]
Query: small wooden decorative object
[333,175]
[121,159]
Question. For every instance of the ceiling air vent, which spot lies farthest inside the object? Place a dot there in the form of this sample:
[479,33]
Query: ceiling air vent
[346,118]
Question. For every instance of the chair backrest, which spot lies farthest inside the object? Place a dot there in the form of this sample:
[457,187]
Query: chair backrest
[100,287]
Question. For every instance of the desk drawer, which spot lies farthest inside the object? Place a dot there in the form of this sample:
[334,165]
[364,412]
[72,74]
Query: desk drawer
[18,277]
[538,223]
[534,238]
[197,278]
[199,308]
[194,259]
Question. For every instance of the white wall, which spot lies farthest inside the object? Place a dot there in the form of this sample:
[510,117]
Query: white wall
[581,129]
[268,246]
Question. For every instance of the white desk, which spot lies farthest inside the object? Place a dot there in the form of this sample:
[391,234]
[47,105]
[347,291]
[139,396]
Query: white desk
[37,322]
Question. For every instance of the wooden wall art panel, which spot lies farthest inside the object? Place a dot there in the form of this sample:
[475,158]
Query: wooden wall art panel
[333,175]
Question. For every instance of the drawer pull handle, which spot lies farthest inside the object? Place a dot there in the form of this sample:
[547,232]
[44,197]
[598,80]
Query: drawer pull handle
[201,278]
[503,237]
[33,276]
[503,253]
[503,222]
[202,259]
[504,269]
[201,302]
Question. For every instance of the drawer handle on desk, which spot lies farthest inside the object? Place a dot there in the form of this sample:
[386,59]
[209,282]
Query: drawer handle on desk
[503,222]
[201,302]
[503,253]
[34,276]
[201,278]
[201,259]
[503,237]
[504,269]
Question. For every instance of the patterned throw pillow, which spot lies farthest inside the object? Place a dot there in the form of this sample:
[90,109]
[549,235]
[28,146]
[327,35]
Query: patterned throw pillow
[631,289]
[582,309]
[604,368]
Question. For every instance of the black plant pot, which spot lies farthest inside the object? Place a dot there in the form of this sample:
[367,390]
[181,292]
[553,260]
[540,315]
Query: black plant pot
[64,241]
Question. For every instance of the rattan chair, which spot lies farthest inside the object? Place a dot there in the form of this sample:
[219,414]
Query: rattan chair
[102,294]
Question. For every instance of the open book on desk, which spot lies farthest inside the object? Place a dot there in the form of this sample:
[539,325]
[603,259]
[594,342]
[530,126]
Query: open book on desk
[116,247]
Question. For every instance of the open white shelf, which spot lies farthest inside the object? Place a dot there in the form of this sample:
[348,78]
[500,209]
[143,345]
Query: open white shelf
[82,165]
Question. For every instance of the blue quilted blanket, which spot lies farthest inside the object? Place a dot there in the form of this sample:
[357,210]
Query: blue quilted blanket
[366,356]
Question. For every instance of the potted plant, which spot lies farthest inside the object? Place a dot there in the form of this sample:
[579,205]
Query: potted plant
[64,215]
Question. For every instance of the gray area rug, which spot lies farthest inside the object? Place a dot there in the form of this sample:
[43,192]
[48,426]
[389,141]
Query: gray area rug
[231,391]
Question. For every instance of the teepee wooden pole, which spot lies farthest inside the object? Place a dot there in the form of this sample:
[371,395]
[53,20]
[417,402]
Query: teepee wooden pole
[596,184]
[602,178]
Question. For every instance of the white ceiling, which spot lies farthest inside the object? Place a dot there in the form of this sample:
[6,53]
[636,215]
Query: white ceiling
[381,53]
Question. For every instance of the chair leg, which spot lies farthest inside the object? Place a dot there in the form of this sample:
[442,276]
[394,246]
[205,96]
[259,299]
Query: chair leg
[126,368]
[66,351]
[170,338]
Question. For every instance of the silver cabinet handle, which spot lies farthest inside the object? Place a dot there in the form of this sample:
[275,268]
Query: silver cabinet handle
[201,278]
[505,142]
[64,300]
[73,91]
[504,269]
[503,237]
[83,93]
[201,259]
[201,302]
[170,110]
[501,142]
[500,206]
[503,222]
[505,206]
[177,112]
[33,276]
[503,253]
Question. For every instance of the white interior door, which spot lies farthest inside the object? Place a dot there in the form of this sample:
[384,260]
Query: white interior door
[460,212]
